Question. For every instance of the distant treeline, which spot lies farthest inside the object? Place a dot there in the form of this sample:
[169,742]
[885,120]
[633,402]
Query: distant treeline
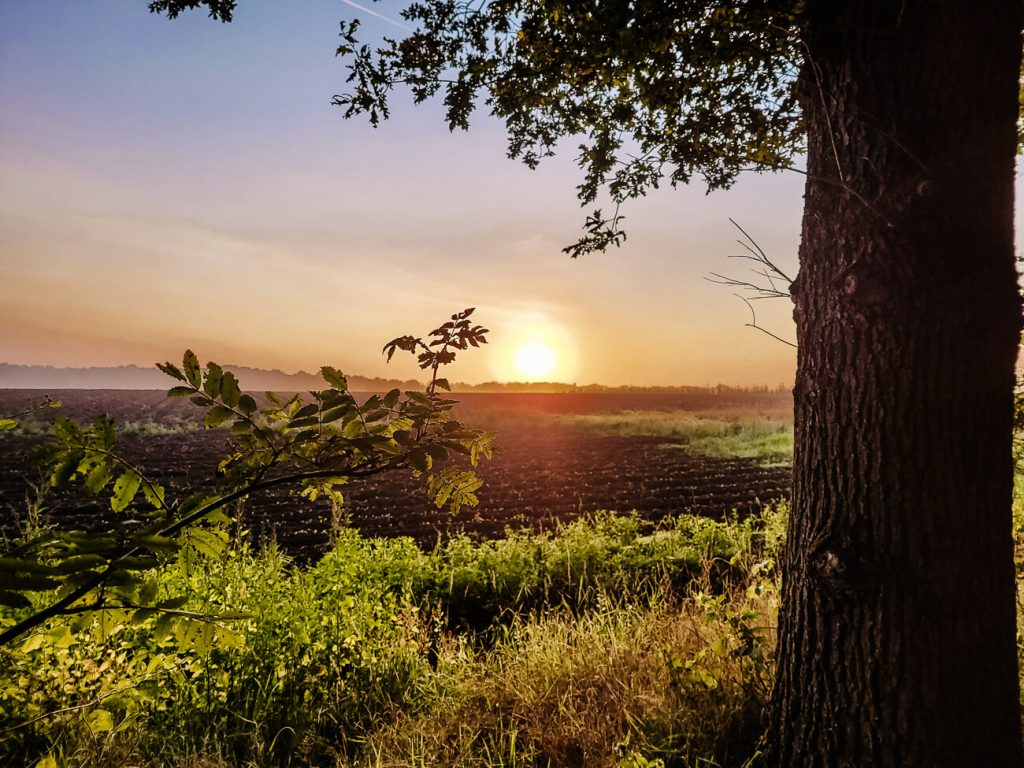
[134,377]
[561,387]
[259,379]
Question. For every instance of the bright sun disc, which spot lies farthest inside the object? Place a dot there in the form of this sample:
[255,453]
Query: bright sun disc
[535,360]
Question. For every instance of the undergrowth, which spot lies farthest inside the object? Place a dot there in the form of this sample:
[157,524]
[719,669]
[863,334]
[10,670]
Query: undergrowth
[600,644]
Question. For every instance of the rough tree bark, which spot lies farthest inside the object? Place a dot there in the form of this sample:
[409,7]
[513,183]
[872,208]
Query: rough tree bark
[897,631]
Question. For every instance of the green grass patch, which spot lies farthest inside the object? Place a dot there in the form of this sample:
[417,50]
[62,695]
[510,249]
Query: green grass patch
[767,438]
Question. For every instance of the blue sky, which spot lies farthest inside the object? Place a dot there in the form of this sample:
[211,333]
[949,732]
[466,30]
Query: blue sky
[188,184]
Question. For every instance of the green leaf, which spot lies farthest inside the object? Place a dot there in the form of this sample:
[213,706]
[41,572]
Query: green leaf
[208,543]
[98,478]
[24,582]
[230,392]
[125,488]
[435,451]
[100,721]
[391,398]
[211,384]
[196,635]
[67,431]
[353,429]
[180,392]
[154,493]
[155,543]
[163,626]
[217,416]
[10,564]
[148,591]
[66,469]
[247,405]
[190,366]
[419,460]
[336,413]
[80,563]
[305,411]
[6,424]
[105,430]
[172,371]
[334,377]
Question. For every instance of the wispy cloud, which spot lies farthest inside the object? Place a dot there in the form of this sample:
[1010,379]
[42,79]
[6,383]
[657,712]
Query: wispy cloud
[372,12]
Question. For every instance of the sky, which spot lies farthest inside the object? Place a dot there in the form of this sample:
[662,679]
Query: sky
[187,184]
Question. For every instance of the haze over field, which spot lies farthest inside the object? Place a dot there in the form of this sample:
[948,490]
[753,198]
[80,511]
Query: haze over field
[188,184]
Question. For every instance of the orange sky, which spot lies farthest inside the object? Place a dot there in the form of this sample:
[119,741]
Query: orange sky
[169,185]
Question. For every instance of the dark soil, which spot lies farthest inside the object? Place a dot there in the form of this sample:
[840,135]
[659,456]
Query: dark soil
[542,473]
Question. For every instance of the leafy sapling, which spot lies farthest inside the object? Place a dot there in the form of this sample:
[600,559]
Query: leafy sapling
[312,446]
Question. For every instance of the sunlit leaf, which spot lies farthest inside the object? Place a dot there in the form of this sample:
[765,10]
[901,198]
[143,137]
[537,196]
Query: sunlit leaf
[98,478]
[100,721]
[125,488]
[154,494]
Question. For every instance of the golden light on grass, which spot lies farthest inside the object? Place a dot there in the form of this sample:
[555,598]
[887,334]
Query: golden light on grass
[535,360]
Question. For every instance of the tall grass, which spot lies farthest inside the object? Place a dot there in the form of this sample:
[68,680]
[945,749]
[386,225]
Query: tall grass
[619,683]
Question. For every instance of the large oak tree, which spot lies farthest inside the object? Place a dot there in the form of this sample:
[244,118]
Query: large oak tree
[897,627]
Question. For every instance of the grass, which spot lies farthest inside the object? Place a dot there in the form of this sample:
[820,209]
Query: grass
[618,683]
[578,646]
[34,426]
[762,436]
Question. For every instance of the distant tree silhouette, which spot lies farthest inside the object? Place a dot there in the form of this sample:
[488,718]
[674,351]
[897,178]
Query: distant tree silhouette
[897,630]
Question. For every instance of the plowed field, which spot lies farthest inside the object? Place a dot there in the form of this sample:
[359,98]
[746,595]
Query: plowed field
[545,470]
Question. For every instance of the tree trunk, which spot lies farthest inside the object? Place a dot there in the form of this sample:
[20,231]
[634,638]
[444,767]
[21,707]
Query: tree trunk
[897,630]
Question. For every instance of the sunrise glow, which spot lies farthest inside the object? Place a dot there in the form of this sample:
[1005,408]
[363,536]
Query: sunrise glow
[536,360]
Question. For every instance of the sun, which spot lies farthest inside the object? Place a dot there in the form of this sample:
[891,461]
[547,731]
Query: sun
[535,360]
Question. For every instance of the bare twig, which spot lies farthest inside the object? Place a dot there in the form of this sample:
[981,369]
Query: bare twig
[753,323]
[770,282]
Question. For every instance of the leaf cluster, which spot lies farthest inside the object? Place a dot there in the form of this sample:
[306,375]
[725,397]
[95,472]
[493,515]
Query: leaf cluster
[654,90]
[456,334]
[221,10]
